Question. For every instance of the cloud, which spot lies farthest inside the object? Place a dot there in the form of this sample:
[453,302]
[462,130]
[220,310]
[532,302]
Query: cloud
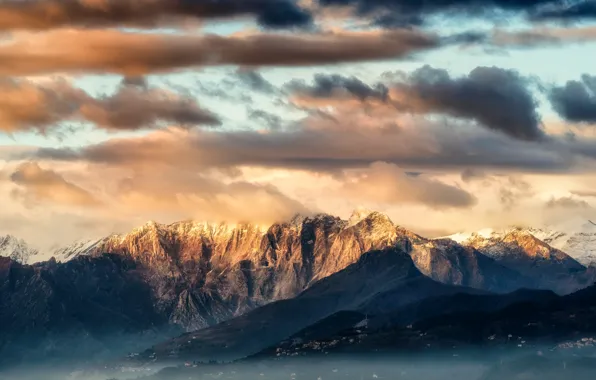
[567,203]
[513,190]
[337,86]
[352,140]
[404,11]
[469,175]
[581,10]
[133,107]
[387,183]
[26,105]
[111,51]
[584,193]
[576,101]
[178,194]
[268,119]
[44,185]
[495,98]
[540,36]
[255,81]
[50,14]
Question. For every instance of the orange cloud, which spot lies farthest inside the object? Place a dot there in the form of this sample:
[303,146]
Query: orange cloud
[387,183]
[111,51]
[26,105]
[329,144]
[43,185]
[182,194]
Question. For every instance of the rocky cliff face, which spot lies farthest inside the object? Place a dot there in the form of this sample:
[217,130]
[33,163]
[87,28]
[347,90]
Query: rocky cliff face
[203,273]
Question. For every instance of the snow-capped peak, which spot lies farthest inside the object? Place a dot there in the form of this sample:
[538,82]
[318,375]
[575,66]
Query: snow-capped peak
[17,250]
[462,237]
[575,237]
[358,215]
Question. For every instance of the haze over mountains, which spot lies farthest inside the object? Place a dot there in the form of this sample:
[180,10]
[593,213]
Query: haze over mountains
[240,288]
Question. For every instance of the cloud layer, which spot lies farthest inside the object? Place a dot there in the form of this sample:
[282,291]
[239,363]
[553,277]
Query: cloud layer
[576,101]
[48,14]
[387,183]
[37,185]
[495,98]
[28,105]
[111,51]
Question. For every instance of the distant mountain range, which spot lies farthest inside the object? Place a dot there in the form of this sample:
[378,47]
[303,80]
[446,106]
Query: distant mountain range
[234,290]
[576,237]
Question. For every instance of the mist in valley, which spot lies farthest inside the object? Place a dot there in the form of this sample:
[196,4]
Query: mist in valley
[544,364]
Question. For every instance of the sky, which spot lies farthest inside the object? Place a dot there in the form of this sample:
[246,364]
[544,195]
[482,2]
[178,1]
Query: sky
[449,116]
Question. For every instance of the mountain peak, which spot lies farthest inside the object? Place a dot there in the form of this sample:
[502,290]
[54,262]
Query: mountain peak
[363,214]
[16,249]
[358,214]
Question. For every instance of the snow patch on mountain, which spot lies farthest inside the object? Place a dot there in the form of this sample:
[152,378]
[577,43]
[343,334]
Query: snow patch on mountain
[78,248]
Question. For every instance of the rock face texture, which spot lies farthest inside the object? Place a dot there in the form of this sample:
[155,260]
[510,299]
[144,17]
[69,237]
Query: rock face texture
[380,280]
[203,273]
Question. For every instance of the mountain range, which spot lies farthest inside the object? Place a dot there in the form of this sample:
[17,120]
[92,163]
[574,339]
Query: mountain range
[220,291]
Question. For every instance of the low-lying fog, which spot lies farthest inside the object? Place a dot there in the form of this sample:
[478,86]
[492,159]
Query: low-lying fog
[513,366]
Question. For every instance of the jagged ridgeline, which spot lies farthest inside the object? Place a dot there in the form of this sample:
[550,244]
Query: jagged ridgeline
[125,292]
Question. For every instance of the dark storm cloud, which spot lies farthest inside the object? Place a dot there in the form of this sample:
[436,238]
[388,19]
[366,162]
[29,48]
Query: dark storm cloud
[496,98]
[134,54]
[326,86]
[48,14]
[576,100]
[281,14]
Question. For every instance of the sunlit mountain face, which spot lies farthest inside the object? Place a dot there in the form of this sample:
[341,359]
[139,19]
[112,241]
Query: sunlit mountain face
[209,186]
